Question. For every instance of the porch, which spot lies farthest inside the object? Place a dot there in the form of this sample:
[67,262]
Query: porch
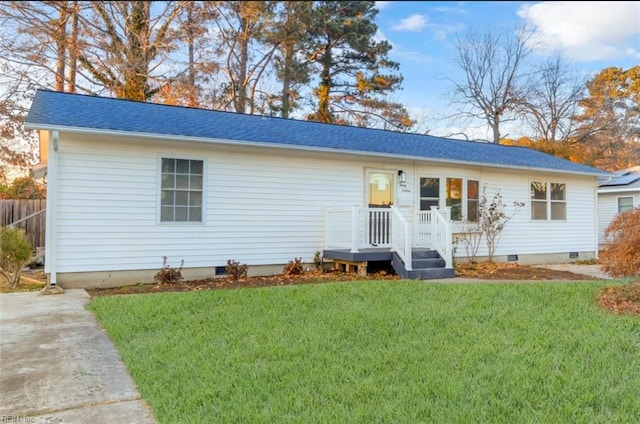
[420,247]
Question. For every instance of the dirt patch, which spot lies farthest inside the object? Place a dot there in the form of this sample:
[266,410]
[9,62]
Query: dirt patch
[514,271]
[495,271]
[309,277]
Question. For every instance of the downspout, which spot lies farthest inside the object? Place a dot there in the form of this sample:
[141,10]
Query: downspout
[52,210]
[595,220]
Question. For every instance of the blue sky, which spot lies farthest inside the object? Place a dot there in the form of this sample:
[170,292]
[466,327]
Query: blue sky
[591,35]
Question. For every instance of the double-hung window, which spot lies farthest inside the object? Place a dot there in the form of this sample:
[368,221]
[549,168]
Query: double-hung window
[548,201]
[181,190]
[625,203]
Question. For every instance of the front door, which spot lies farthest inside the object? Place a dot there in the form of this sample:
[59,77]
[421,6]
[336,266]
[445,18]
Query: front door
[380,195]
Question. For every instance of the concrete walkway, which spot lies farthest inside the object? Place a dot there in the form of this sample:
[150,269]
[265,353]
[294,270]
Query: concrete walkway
[58,366]
[591,270]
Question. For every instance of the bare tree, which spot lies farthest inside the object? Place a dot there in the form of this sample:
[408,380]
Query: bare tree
[36,44]
[128,44]
[492,84]
[552,100]
[245,56]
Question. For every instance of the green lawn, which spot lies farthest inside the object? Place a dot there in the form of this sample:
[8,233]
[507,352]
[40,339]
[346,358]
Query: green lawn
[380,352]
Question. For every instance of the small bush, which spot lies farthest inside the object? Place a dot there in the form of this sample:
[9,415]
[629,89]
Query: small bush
[621,257]
[15,253]
[294,267]
[318,261]
[236,270]
[168,275]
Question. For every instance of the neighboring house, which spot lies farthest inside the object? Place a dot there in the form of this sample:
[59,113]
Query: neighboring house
[131,182]
[617,193]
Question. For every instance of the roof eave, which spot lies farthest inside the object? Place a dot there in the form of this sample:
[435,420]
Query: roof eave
[182,138]
[618,190]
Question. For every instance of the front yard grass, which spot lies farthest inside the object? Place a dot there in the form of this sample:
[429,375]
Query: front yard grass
[385,352]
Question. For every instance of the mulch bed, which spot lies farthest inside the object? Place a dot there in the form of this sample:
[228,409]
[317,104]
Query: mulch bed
[623,299]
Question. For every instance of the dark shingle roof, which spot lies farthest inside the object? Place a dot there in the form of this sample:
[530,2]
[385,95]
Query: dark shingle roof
[54,110]
[626,178]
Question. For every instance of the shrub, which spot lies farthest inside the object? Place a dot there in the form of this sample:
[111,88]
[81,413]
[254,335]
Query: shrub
[15,253]
[168,275]
[294,267]
[318,261]
[621,257]
[236,270]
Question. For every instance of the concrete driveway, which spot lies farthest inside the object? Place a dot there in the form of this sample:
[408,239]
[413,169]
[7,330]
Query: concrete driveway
[58,366]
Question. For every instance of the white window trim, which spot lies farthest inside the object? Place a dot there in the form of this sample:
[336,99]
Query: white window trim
[633,202]
[548,201]
[159,189]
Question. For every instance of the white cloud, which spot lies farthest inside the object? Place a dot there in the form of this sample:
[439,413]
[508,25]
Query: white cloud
[587,31]
[410,55]
[415,23]
[380,36]
[382,4]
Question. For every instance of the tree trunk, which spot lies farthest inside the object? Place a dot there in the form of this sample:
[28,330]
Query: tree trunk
[73,49]
[61,45]
[324,90]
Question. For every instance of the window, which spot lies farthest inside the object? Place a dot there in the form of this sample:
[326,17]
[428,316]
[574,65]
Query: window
[460,195]
[454,197]
[429,193]
[625,203]
[473,200]
[548,201]
[181,190]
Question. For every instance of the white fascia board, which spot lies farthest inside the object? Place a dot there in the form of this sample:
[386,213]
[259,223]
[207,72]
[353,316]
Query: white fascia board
[203,140]
[617,190]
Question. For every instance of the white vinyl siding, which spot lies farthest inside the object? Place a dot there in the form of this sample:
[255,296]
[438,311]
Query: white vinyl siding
[609,207]
[261,206]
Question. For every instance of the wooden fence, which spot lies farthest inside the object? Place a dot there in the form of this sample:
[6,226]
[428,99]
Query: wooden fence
[12,211]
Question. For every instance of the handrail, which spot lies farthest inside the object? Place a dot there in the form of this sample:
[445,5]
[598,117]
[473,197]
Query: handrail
[441,236]
[401,237]
[33,215]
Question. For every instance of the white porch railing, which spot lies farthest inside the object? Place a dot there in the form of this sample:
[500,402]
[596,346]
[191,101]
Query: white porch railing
[401,238]
[359,228]
[441,236]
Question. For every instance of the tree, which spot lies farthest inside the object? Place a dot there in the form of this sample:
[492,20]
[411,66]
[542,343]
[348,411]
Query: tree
[126,45]
[15,253]
[492,219]
[493,66]
[242,28]
[23,188]
[290,34]
[40,39]
[621,257]
[608,130]
[350,67]
[551,102]
[193,34]
[38,42]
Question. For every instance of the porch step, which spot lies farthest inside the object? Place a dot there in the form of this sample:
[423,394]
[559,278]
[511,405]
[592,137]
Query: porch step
[427,265]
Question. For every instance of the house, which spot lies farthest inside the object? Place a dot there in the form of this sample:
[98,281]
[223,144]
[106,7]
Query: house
[130,183]
[617,193]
